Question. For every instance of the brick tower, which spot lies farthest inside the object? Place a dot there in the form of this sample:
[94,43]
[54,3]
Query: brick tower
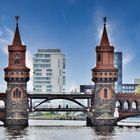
[104,75]
[17,76]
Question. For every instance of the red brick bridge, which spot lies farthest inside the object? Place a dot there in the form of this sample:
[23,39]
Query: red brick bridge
[128,104]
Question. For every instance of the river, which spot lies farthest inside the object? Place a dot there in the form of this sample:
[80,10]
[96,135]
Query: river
[67,130]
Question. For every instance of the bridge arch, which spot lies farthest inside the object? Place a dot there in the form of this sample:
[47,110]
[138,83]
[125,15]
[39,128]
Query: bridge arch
[118,104]
[2,104]
[134,106]
[126,105]
[64,98]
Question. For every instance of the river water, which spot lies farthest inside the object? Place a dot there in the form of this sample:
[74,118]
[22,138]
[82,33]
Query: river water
[67,130]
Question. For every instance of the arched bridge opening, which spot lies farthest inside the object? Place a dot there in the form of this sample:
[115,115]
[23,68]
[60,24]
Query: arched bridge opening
[71,108]
[71,103]
[127,107]
[2,110]
[59,104]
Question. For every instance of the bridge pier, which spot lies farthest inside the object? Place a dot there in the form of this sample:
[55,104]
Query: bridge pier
[16,122]
[16,109]
[89,121]
[103,120]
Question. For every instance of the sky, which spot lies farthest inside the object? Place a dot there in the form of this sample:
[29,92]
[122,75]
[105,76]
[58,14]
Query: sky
[75,27]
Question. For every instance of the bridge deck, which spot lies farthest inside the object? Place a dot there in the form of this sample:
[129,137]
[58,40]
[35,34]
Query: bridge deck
[61,109]
[46,96]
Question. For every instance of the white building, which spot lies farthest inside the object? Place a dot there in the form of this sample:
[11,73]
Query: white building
[49,71]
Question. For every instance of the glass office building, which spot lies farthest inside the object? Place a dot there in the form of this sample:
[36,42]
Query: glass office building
[118,65]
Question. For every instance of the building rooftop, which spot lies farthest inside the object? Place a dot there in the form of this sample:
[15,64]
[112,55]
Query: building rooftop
[49,50]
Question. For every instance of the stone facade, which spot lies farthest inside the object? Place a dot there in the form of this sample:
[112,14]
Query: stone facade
[104,75]
[16,76]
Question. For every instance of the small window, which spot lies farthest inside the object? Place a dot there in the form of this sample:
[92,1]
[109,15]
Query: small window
[105,93]
[58,63]
[17,58]
[99,57]
[17,93]
[101,73]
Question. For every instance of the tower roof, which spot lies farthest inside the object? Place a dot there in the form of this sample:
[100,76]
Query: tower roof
[17,39]
[104,39]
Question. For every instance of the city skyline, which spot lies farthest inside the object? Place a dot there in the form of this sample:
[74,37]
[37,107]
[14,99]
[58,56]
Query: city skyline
[75,27]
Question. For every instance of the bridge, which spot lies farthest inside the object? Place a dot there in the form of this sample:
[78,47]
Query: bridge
[128,104]
[105,107]
[69,97]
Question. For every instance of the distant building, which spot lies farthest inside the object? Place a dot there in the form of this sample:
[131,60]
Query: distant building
[87,89]
[49,71]
[129,88]
[137,81]
[118,65]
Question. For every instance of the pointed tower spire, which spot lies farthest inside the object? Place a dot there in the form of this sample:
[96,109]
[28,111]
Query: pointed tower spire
[104,38]
[17,39]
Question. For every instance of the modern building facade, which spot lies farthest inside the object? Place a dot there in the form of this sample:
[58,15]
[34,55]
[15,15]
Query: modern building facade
[49,71]
[129,88]
[118,65]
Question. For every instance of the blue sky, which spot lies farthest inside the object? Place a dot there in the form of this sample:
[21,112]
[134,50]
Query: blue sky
[75,27]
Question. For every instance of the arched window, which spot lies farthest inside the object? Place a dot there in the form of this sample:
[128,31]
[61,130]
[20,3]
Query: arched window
[134,105]
[14,94]
[118,104]
[99,57]
[17,58]
[17,93]
[105,93]
[2,104]
[125,105]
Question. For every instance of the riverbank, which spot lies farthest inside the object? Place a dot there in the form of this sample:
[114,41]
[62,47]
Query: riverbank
[56,116]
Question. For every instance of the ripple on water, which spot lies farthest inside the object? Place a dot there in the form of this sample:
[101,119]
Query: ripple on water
[75,131]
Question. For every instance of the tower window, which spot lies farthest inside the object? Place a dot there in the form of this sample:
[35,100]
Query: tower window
[17,93]
[105,93]
[99,57]
[101,73]
[17,58]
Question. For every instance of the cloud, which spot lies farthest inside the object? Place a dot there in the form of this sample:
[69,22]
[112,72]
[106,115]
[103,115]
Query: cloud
[127,58]
[6,36]
[29,62]
[73,88]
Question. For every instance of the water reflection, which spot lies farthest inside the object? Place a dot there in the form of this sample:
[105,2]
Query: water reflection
[68,130]
[104,130]
[14,132]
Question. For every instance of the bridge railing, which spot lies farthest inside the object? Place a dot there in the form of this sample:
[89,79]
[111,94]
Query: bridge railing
[33,92]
